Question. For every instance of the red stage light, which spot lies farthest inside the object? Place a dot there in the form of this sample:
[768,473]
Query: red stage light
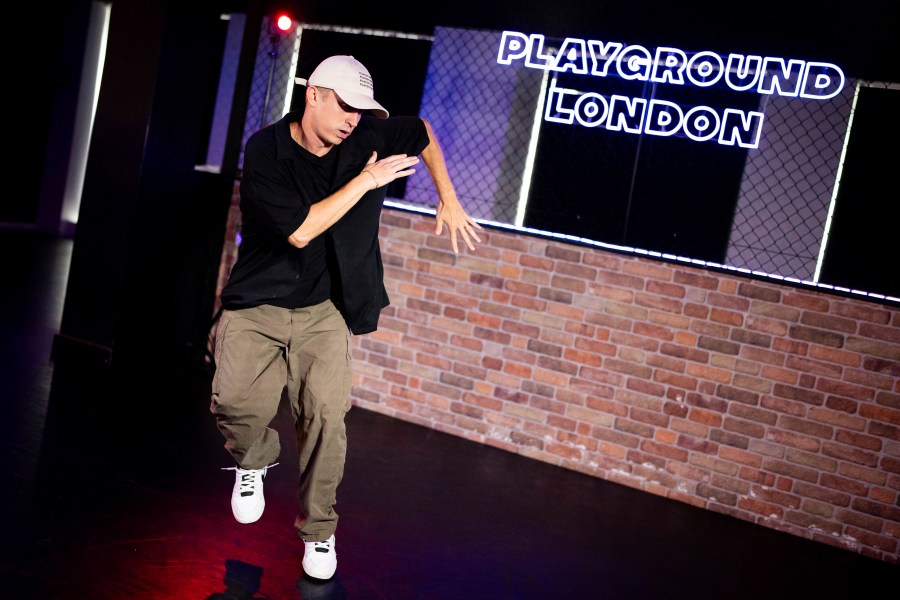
[284,22]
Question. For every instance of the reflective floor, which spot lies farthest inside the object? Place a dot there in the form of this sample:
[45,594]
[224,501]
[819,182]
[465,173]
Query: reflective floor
[113,492]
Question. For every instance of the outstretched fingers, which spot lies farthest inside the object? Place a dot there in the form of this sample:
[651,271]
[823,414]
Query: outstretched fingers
[467,232]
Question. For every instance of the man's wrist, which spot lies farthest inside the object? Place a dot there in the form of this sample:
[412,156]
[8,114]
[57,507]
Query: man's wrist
[375,179]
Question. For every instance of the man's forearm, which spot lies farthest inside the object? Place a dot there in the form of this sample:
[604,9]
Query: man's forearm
[433,157]
[326,213]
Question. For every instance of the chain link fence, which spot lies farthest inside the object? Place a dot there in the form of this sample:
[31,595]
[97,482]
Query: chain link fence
[523,156]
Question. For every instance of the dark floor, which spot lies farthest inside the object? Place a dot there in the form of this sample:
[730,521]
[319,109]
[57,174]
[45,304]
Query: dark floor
[107,496]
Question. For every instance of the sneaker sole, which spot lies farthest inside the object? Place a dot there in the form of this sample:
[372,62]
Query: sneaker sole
[245,519]
[323,575]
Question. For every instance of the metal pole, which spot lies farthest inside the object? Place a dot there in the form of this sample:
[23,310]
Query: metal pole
[272,55]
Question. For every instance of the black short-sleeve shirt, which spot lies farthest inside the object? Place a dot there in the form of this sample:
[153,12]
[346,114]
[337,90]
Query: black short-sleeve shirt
[275,200]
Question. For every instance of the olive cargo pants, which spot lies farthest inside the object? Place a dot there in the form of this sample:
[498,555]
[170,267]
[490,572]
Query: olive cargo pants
[260,352]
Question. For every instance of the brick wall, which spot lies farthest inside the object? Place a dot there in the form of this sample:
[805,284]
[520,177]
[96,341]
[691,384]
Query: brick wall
[769,403]
[772,404]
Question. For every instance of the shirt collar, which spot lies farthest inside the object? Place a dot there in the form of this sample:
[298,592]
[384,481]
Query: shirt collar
[283,140]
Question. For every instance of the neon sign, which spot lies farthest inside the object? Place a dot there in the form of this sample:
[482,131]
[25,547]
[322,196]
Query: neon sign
[729,127]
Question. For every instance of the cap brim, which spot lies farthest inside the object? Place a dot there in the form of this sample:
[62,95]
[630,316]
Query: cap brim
[358,101]
[363,102]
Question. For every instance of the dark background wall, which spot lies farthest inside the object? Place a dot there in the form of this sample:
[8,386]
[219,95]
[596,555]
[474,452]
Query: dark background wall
[150,232]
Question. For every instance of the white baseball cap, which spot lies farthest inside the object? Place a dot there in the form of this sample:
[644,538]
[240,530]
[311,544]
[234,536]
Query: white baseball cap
[350,79]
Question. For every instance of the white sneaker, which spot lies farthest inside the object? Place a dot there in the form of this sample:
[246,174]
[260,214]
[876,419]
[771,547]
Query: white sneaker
[247,500]
[320,559]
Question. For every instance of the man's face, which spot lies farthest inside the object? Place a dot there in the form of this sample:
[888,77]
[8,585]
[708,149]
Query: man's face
[333,120]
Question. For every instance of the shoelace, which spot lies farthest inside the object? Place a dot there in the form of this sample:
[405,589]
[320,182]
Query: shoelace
[322,546]
[248,481]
